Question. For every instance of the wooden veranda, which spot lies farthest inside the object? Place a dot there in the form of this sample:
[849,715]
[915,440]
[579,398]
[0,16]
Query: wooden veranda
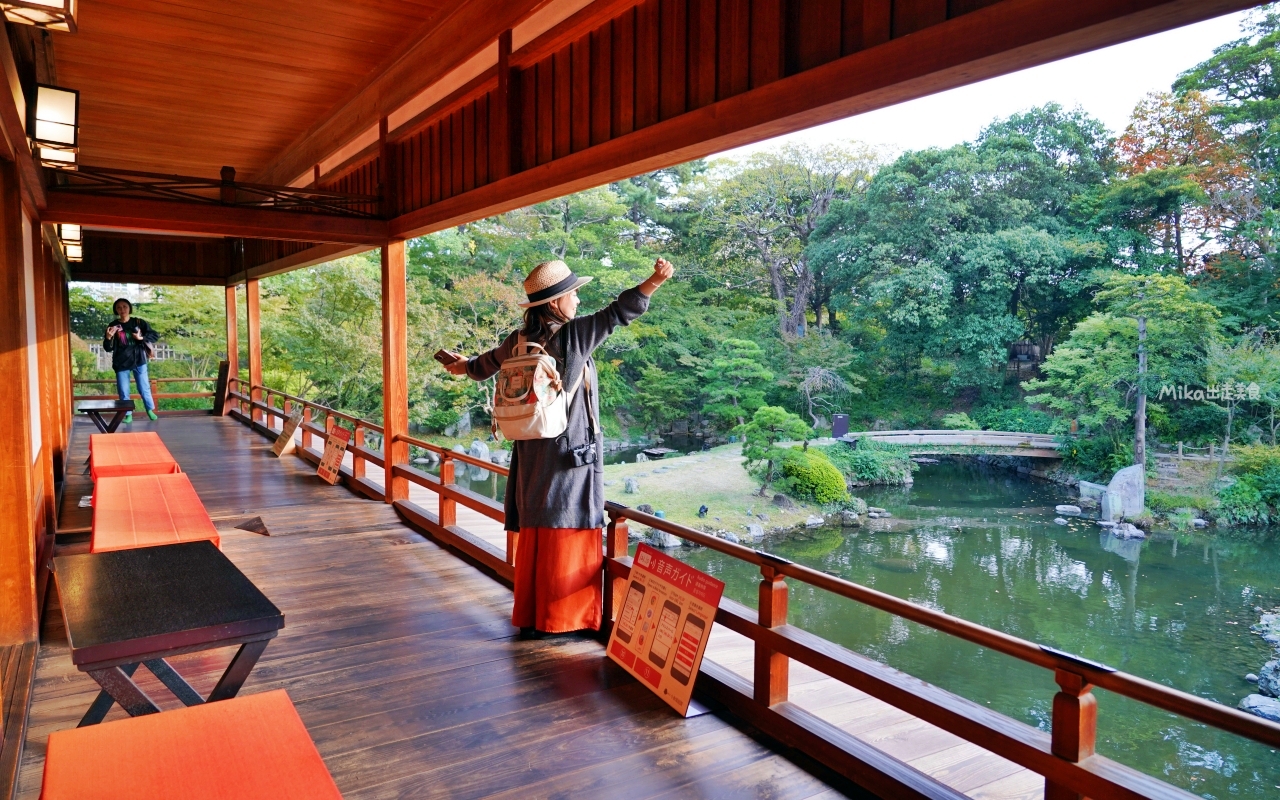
[220,146]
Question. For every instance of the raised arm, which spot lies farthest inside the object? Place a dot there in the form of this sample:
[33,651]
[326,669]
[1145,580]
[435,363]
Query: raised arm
[585,334]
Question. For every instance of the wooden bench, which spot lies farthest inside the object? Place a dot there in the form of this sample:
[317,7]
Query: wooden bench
[121,455]
[148,510]
[249,747]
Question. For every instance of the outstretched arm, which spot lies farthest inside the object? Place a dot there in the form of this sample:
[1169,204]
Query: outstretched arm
[587,333]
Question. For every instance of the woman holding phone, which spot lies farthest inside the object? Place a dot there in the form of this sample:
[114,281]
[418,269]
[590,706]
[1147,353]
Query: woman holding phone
[129,341]
[555,495]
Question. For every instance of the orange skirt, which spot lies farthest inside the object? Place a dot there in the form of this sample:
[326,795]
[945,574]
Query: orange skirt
[558,579]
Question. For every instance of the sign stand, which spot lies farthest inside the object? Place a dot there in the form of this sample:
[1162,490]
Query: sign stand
[663,627]
[284,442]
[335,449]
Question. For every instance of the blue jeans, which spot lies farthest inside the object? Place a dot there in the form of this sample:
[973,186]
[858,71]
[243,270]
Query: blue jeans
[144,385]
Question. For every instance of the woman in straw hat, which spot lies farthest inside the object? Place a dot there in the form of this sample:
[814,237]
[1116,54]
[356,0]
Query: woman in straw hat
[557,508]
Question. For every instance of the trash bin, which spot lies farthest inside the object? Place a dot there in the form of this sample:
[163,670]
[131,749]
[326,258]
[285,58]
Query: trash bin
[839,425]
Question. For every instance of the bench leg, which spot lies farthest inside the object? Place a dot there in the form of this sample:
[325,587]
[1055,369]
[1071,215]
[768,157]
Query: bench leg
[238,670]
[175,682]
[97,420]
[103,702]
[115,422]
[117,682]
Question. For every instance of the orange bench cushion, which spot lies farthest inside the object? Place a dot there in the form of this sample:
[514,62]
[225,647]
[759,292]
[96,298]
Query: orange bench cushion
[116,455]
[253,746]
[147,510]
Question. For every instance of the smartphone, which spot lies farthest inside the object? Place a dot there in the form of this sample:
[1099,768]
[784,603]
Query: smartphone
[690,639]
[445,358]
[664,635]
[630,611]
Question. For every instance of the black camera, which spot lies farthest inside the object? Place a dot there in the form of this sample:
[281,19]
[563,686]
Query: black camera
[583,454]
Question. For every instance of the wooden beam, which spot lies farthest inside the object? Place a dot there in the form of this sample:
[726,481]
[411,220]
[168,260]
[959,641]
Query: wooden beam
[178,217]
[13,130]
[995,40]
[319,254]
[255,342]
[17,476]
[395,369]
[443,43]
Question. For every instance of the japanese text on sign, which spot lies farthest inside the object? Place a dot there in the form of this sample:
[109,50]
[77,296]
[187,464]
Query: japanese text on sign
[335,449]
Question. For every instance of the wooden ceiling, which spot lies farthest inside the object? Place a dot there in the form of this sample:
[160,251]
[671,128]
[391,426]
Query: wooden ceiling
[187,86]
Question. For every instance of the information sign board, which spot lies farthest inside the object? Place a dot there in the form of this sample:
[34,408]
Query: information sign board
[664,623]
[284,442]
[335,448]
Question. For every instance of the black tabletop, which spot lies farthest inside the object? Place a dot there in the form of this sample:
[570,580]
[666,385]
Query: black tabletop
[106,405]
[134,602]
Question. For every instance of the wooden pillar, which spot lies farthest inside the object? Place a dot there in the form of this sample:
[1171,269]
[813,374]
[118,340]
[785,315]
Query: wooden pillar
[1075,727]
[395,369]
[772,668]
[18,502]
[255,342]
[616,544]
[233,345]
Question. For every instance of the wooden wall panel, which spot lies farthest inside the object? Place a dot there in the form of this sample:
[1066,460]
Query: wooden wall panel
[812,39]
[154,259]
[672,58]
[910,16]
[601,79]
[733,48]
[622,102]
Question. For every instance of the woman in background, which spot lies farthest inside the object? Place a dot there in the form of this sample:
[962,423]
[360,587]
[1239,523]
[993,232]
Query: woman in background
[129,341]
[558,508]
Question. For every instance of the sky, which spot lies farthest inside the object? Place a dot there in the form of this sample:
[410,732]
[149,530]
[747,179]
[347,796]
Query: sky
[1107,83]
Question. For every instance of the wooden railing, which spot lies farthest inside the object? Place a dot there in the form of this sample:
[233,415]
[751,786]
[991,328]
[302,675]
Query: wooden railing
[261,406]
[156,394]
[1064,756]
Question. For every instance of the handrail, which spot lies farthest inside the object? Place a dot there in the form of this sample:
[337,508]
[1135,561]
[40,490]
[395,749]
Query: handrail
[465,458]
[154,382]
[1131,686]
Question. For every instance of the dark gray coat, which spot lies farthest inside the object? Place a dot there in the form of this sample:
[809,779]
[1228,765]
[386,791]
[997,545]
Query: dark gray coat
[544,489]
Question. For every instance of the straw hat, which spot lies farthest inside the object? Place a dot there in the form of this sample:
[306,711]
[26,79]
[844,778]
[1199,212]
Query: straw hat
[549,280]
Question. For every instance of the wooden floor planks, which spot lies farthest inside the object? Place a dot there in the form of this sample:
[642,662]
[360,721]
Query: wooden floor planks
[403,664]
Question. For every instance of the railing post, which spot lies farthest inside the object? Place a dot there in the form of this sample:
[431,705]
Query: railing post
[306,420]
[1075,727]
[771,675]
[448,506]
[357,463]
[616,543]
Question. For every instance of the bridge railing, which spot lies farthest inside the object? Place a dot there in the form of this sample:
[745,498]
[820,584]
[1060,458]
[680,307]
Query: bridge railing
[1064,756]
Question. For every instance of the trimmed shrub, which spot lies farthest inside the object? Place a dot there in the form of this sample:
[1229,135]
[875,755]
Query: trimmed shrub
[810,475]
[871,462]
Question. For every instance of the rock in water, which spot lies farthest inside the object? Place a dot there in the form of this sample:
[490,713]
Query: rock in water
[732,537]
[1125,530]
[702,511]
[479,449]
[630,486]
[1251,678]
[645,508]
[876,510]
[782,501]
[1268,627]
[1261,706]
[857,505]
[1060,521]
[755,532]
[641,458]
[1130,484]
[1199,524]
[1269,679]
[850,519]
[663,539]
[814,522]
[1067,509]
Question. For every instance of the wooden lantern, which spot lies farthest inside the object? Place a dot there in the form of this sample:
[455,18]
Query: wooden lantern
[53,15]
[54,126]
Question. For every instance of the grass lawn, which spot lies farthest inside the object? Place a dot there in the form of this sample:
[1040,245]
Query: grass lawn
[714,478]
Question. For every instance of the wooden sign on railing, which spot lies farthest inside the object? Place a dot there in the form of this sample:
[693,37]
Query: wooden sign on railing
[663,626]
[335,449]
[284,442]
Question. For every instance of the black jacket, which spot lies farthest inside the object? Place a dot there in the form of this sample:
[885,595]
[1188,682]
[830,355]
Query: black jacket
[126,351]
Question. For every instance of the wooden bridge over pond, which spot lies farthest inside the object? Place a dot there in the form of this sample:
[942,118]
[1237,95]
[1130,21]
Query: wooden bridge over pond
[991,443]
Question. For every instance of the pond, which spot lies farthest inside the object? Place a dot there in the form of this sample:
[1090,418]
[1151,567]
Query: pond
[982,545]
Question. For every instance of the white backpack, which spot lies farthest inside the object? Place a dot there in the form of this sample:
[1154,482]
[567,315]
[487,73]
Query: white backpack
[529,401]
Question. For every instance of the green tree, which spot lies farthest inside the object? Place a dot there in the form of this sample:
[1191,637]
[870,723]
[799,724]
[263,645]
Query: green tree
[735,382]
[769,426]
